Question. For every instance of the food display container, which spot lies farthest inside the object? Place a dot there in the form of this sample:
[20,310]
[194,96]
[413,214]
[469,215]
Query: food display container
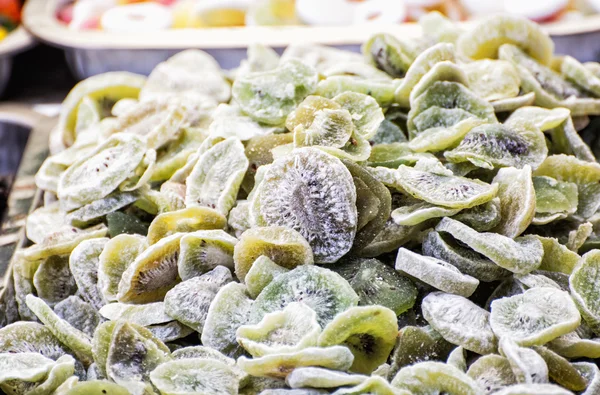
[92,52]
[16,42]
[24,195]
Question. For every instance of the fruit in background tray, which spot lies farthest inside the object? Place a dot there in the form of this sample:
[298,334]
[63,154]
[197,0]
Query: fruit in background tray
[137,18]
[537,10]
[380,11]
[330,12]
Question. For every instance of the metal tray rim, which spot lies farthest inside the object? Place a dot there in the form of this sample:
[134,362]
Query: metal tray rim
[39,19]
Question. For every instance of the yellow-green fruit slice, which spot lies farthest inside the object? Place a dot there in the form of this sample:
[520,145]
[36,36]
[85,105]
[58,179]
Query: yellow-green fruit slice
[584,287]
[561,371]
[492,372]
[427,378]
[485,39]
[289,330]
[460,321]
[534,317]
[312,377]
[534,389]
[492,79]
[108,86]
[517,200]
[284,246]
[282,364]
[368,331]
[186,220]
[204,250]
[118,253]
[261,273]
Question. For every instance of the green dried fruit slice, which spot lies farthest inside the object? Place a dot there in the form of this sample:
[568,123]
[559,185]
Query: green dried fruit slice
[534,317]
[393,155]
[89,112]
[79,314]
[54,166]
[101,171]
[108,86]
[365,112]
[326,292]
[118,253]
[522,255]
[327,127]
[460,321]
[577,73]
[583,286]
[133,353]
[527,365]
[195,375]
[458,359]
[438,27]
[229,310]
[439,274]
[496,145]
[204,250]
[483,217]
[152,274]
[272,88]
[438,138]
[239,218]
[420,212]
[566,139]
[284,246]
[378,284]
[287,197]
[577,237]
[492,372]
[514,103]
[175,154]
[96,387]
[428,378]
[368,331]
[76,340]
[570,169]
[445,248]
[554,196]
[534,389]
[25,336]
[419,68]
[95,211]
[186,220]
[42,221]
[436,114]
[64,368]
[192,73]
[83,263]
[415,344]
[53,281]
[562,371]
[282,364]
[292,329]
[572,345]
[217,176]
[261,273]
[438,189]
[322,378]
[389,54]
[484,40]
[442,71]
[25,366]
[188,302]
[258,151]
[381,91]
[492,79]
[63,241]
[372,385]
[518,200]
[544,118]
[144,315]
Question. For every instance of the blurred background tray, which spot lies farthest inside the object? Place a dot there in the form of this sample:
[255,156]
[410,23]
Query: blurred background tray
[92,52]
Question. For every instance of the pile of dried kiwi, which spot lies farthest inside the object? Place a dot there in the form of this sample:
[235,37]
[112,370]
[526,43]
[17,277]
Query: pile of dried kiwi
[419,219]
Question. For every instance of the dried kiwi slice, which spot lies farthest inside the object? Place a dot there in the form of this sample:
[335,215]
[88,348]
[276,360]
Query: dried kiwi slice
[204,250]
[261,273]
[527,365]
[522,255]
[289,330]
[518,200]
[275,99]
[322,378]
[292,194]
[101,171]
[428,378]
[368,331]
[152,273]
[284,246]
[583,286]
[492,372]
[118,253]
[321,289]
[496,145]
[389,54]
[53,280]
[484,40]
[378,284]
[534,317]
[438,189]
[434,272]
[460,321]
[186,220]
